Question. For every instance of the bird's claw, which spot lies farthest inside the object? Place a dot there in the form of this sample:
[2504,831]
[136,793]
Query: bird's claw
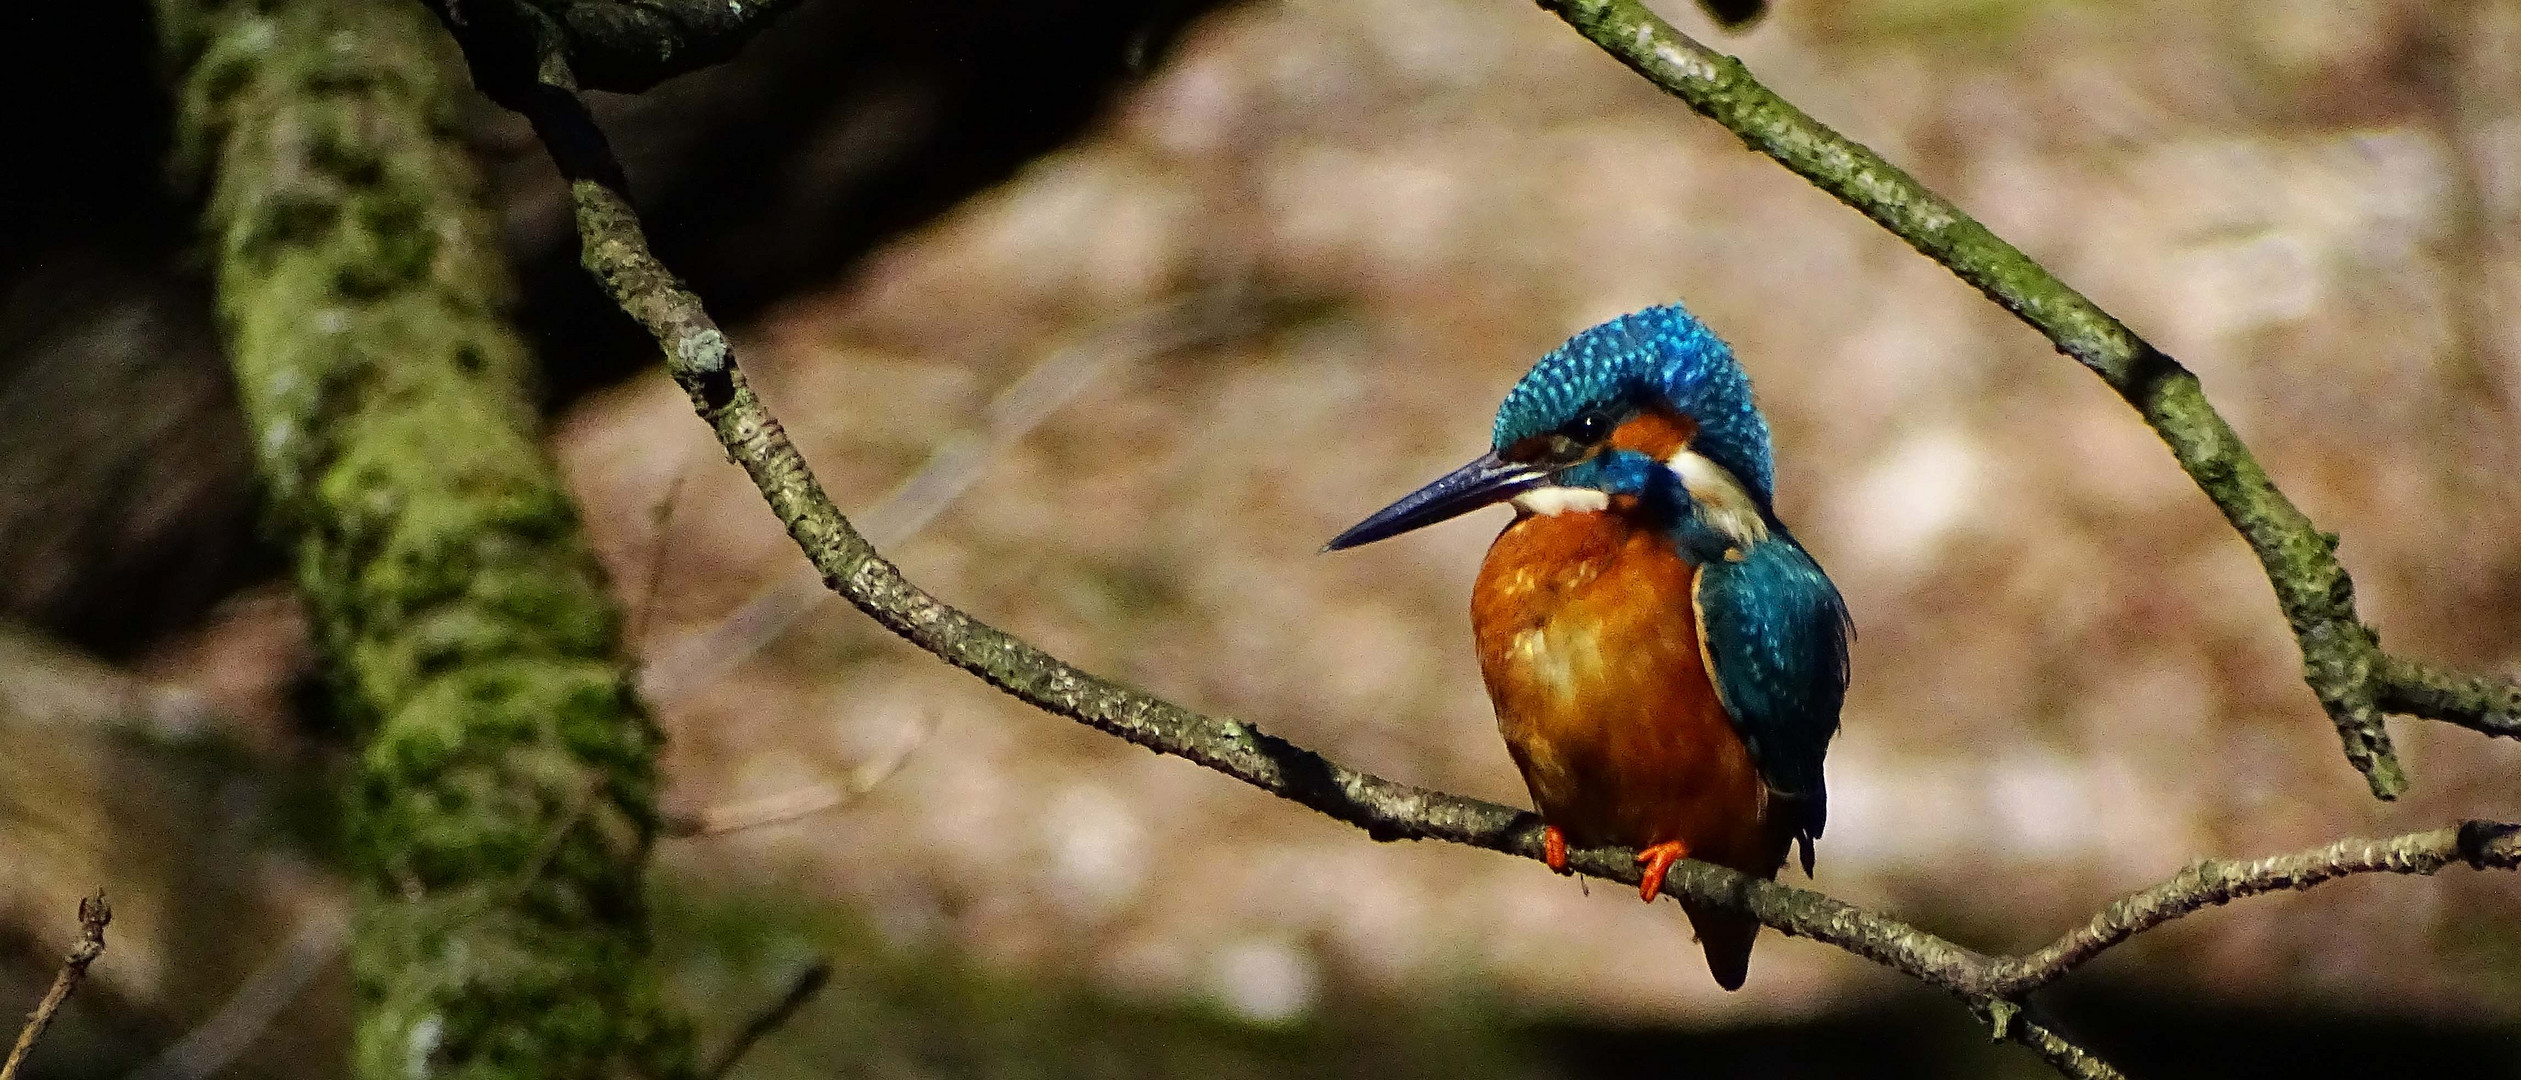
[1554,849]
[1658,860]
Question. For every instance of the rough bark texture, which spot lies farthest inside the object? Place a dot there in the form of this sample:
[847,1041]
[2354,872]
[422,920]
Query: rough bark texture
[504,796]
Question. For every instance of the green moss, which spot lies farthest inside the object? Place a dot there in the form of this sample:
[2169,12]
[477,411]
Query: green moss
[504,801]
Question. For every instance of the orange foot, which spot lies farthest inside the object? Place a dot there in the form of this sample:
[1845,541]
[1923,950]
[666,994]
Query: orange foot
[1658,861]
[1554,848]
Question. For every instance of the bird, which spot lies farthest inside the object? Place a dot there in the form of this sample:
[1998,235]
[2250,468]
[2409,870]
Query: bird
[1666,660]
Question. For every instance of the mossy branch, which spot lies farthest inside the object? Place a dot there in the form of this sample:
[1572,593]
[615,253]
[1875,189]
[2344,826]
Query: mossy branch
[2355,682]
[614,249]
[503,801]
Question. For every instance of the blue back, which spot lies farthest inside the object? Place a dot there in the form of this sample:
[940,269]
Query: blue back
[1776,634]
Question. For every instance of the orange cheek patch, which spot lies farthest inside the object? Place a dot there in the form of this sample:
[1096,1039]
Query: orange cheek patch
[1654,433]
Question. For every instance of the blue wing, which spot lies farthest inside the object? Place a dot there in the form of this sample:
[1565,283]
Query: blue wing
[1775,633]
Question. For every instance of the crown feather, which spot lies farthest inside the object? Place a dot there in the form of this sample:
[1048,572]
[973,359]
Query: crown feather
[1662,355]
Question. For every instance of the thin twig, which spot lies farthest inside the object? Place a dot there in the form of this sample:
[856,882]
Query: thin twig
[660,538]
[695,660]
[93,915]
[2215,882]
[806,801]
[211,1047]
[2484,703]
[614,249]
[2063,1056]
[800,990]
[786,806]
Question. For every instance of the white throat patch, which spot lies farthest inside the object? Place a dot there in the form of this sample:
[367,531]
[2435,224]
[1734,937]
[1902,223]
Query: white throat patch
[1722,500]
[1553,501]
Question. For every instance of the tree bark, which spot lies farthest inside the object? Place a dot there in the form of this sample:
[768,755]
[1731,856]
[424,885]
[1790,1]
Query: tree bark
[503,802]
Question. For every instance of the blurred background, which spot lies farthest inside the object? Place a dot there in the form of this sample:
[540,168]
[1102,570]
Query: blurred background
[1107,314]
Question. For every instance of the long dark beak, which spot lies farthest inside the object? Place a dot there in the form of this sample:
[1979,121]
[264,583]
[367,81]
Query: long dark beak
[1489,480]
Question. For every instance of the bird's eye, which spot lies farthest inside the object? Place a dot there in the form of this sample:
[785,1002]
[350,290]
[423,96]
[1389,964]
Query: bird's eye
[1589,428]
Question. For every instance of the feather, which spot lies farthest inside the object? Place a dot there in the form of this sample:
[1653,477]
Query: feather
[1775,633]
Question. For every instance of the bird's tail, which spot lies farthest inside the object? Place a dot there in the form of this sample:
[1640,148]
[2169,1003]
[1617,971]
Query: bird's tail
[1726,938]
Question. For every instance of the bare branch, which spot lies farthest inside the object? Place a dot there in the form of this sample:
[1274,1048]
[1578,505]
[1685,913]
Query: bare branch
[208,1049]
[2215,882]
[807,801]
[800,990]
[2489,705]
[695,660]
[2341,656]
[614,249]
[93,915]
[2065,1057]
[621,45]
[660,538]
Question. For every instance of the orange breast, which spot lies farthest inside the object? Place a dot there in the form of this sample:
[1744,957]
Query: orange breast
[1589,644]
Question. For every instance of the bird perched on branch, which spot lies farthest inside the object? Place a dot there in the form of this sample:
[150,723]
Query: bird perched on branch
[1667,663]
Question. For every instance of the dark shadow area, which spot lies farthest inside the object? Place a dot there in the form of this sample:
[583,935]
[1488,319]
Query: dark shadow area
[126,503]
[839,127]
[2147,1035]
[125,498]
[2163,1036]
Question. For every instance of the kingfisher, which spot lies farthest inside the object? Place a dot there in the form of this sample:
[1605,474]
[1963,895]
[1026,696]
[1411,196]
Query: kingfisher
[1667,662]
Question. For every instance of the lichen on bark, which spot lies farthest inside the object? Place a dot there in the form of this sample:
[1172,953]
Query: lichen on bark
[504,798]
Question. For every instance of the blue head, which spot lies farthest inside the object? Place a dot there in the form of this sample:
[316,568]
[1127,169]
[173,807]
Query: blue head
[1659,358]
[1649,405]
